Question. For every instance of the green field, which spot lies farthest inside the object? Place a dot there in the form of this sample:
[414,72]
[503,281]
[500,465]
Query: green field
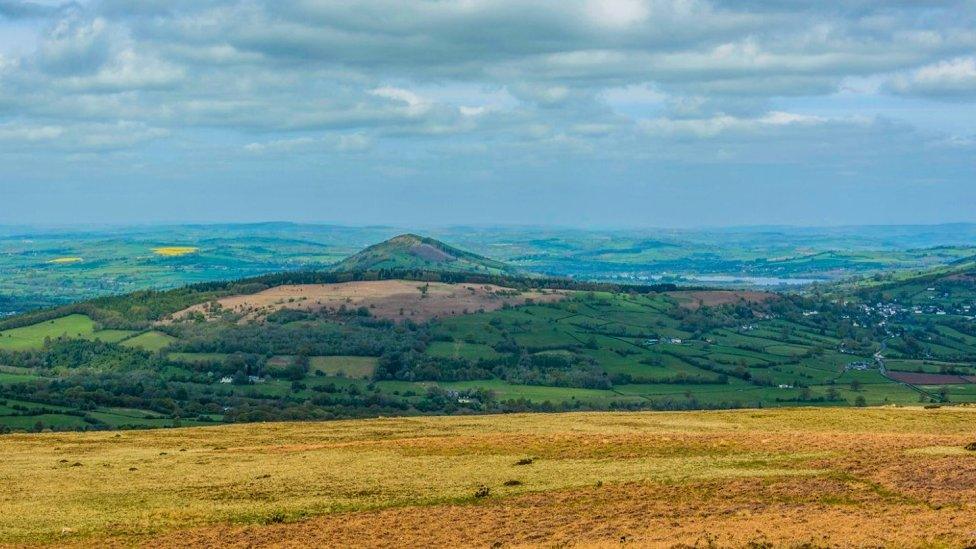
[150,341]
[461,349]
[113,336]
[357,367]
[32,337]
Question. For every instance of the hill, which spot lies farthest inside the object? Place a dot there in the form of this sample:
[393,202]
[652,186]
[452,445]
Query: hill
[413,252]
[346,344]
[948,288]
[879,477]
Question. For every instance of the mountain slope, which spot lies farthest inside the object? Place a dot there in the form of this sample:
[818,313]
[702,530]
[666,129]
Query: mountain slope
[410,251]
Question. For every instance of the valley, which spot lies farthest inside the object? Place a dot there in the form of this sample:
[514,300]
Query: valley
[41,267]
[424,338]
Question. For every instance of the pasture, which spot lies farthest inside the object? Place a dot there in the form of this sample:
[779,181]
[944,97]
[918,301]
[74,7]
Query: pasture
[357,367]
[150,341]
[33,336]
[819,477]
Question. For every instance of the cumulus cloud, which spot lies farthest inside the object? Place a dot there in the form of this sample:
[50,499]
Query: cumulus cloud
[953,78]
[339,77]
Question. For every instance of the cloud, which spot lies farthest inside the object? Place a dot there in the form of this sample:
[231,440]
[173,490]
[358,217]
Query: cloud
[951,79]
[345,143]
[75,46]
[722,124]
[423,77]
[19,137]
[617,13]
[20,9]
[415,105]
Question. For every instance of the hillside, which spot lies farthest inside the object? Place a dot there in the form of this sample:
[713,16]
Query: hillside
[882,477]
[413,252]
[54,267]
[348,344]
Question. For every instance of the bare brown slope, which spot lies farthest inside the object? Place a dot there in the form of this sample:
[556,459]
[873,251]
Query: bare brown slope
[390,299]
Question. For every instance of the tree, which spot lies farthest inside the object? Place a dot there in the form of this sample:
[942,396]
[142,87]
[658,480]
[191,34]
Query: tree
[860,402]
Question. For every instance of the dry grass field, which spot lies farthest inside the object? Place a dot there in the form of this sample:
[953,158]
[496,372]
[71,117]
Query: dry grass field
[820,477]
[389,299]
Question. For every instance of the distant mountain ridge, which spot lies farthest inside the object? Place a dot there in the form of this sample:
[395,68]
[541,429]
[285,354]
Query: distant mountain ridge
[411,251]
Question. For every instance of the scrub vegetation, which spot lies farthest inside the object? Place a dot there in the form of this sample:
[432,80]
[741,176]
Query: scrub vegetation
[792,477]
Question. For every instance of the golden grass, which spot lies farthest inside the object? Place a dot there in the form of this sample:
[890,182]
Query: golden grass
[175,251]
[65,260]
[94,488]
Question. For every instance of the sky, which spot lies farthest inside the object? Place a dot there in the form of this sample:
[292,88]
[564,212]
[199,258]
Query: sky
[589,113]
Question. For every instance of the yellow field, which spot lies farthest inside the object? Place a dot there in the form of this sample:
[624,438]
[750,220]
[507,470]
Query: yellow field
[175,251]
[66,260]
[897,477]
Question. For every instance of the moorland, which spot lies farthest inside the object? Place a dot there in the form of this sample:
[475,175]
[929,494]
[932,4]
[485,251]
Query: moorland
[813,477]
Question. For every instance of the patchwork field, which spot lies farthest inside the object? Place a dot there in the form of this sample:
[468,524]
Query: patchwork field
[389,299]
[791,477]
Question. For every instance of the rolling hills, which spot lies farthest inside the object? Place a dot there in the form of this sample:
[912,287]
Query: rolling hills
[41,267]
[404,336]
